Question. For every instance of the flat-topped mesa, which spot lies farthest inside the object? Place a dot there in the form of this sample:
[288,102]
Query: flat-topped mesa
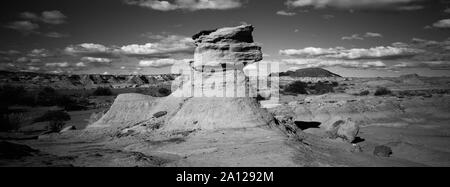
[226,48]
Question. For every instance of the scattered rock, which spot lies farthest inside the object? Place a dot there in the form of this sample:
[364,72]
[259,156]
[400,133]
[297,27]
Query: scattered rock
[356,148]
[159,114]
[382,151]
[345,129]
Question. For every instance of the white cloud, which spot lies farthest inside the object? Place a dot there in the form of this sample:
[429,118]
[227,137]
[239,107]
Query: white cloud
[372,35]
[22,60]
[98,60]
[165,45]
[355,53]
[445,23]
[32,68]
[23,26]
[91,49]
[350,4]
[191,5]
[54,17]
[310,63]
[352,37]
[58,64]
[411,7]
[285,13]
[160,62]
[359,37]
[56,35]
[80,64]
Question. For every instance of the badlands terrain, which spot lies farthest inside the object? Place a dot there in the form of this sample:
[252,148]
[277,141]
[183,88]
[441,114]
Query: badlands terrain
[321,119]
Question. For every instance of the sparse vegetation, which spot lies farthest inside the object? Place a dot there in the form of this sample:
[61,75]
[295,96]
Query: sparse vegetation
[55,125]
[102,91]
[164,91]
[53,116]
[297,87]
[382,91]
[322,88]
[364,93]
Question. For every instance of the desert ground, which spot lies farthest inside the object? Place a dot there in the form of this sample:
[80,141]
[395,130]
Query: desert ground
[412,120]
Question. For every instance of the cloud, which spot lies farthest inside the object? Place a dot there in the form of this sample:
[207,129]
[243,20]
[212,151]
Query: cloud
[39,53]
[328,16]
[359,37]
[355,4]
[159,63]
[285,13]
[417,53]
[56,35]
[54,17]
[352,37]
[372,35]
[92,50]
[310,63]
[447,11]
[380,52]
[80,64]
[411,8]
[58,64]
[25,27]
[443,24]
[10,52]
[96,60]
[166,45]
[191,5]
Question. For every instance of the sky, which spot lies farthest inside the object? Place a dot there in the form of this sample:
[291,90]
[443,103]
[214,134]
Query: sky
[353,38]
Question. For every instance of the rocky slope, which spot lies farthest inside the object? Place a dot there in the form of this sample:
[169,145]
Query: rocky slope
[35,80]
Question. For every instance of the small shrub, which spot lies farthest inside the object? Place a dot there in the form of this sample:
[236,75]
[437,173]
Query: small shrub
[382,91]
[53,116]
[102,91]
[323,88]
[364,93]
[297,87]
[164,91]
[335,84]
[55,125]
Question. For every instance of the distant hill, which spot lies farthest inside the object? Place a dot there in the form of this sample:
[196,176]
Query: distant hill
[64,81]
[309,72]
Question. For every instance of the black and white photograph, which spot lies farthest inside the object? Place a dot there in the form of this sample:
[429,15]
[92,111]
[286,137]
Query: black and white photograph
[225,84]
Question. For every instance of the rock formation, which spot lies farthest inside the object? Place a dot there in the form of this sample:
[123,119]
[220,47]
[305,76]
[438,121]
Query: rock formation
[212,94]
[219,60]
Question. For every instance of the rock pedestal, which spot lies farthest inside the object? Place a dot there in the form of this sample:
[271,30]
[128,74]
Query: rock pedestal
[212,93]
[219,60]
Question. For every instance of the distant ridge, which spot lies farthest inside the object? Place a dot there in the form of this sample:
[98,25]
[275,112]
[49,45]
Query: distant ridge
[81,81]
[309,72]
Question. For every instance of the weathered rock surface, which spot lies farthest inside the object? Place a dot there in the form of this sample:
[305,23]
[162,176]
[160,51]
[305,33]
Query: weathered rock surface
[232,47]
[343,128]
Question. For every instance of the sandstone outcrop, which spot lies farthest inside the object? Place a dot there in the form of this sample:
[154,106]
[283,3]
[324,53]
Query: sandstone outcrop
[213,93]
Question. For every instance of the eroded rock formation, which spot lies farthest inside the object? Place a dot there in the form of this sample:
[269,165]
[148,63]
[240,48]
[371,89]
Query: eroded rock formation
[213,92]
